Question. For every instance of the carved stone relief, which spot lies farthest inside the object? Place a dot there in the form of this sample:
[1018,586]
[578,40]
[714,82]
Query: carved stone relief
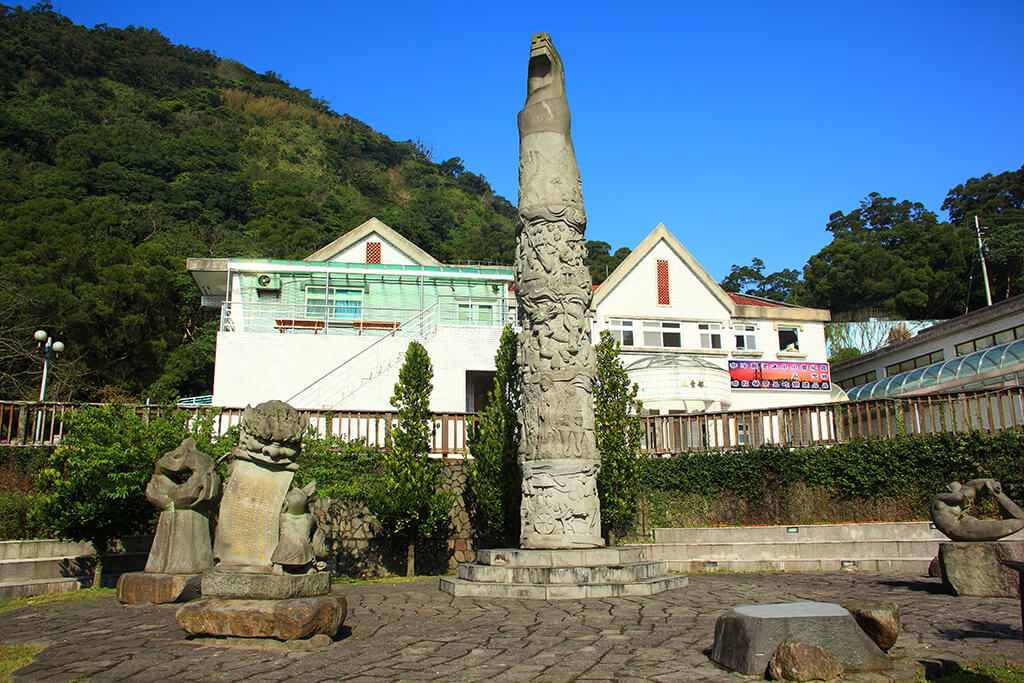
[560,509]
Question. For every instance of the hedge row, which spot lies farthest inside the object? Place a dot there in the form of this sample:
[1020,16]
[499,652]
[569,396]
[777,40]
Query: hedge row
[860,468]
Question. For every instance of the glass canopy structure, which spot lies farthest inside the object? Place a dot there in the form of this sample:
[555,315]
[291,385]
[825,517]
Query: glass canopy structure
[976,370]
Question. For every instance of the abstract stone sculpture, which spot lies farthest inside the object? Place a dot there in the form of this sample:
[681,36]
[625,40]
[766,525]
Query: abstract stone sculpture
[264,583]
[949,512]
[557,451]
[185,488]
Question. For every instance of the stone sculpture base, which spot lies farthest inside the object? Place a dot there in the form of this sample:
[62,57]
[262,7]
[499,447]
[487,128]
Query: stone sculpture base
[746,637]
[265,586]
[281,619]
[143,588]
[973,568]
[561,574]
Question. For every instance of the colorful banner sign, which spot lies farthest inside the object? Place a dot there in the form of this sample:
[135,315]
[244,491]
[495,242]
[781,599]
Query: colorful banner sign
[758,374]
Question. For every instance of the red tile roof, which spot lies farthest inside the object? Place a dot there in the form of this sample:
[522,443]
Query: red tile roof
[744,300]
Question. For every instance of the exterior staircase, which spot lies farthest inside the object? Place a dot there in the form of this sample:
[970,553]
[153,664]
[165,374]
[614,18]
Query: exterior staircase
[897,547]
[334,387]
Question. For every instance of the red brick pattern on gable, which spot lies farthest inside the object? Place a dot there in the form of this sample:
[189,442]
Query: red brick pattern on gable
[373,252]
[663,283]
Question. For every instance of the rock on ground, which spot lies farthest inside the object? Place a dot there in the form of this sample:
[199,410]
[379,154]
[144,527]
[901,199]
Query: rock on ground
[795,661]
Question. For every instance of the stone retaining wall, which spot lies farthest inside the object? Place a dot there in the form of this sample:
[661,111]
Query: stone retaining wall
[358,547]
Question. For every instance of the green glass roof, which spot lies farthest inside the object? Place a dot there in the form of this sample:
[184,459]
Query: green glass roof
[497,270]
[1008,355]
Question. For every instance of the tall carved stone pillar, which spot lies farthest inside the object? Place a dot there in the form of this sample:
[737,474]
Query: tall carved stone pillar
[557,452]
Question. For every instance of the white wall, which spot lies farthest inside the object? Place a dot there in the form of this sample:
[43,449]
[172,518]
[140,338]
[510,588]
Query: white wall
[636,295]
[255,367]
[389,254]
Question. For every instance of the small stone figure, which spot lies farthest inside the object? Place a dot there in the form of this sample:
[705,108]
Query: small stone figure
[948,512]
[294,552]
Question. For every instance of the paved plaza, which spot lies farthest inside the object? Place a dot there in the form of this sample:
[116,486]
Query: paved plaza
[412,631]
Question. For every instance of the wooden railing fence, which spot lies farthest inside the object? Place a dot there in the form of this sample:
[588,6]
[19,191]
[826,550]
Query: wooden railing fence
[42,424]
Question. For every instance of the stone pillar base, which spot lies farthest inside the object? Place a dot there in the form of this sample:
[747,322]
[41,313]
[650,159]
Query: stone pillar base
[746,636]
[561,574]
[142,588]
[973,568]
[280,619]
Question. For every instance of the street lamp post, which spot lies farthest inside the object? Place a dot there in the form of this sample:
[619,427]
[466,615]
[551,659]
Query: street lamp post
[49,350]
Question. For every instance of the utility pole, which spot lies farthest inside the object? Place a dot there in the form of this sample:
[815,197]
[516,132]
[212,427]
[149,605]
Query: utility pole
[981,252]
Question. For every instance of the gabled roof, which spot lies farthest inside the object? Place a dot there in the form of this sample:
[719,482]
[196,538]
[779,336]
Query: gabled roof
[659,234]
[386,232]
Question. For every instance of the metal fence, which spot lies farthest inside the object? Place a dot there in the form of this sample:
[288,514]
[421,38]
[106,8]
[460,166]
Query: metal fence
[42,424]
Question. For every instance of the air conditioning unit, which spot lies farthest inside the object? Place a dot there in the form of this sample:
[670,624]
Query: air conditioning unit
[268,281]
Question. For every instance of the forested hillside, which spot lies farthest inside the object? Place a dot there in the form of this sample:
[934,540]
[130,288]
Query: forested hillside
[122,154]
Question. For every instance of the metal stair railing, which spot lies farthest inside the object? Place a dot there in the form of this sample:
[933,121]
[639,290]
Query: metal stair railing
[337,384]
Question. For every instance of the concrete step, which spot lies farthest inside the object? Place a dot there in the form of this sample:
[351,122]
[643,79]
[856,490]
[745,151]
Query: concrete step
[468,589]
[24,589]
[909,531]
[45,568]
[612,574]
[811,550]
[20,550]
[908,567]
[583,557]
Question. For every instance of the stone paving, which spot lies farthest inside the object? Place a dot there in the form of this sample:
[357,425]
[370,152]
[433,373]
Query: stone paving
[412,631]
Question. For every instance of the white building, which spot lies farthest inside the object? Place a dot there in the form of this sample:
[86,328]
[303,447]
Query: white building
[330,332]
[693,347]
[981,349]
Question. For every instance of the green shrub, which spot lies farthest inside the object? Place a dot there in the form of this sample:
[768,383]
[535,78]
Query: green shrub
[915,465]
[342,469]
[93,484]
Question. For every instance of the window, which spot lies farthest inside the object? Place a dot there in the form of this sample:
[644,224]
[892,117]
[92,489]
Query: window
[710,335]
[988,340]
[910,364]
[471,313]
[373,252]
[660,333]
[663,283]
[788,339]
[622,330]
[341,304]
[746,337]
[858,380]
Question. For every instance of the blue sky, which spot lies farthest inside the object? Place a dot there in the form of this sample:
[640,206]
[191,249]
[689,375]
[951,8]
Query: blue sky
[740,125]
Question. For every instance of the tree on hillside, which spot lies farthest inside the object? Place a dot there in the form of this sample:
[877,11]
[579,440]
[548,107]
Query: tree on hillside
[998,201]
[752,280]
[889,254]
[493,476]
[406,497]
[618,431]
[601,261]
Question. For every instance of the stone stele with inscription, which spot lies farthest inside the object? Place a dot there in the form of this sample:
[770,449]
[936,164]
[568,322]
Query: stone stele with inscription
[258,481]
[260,588]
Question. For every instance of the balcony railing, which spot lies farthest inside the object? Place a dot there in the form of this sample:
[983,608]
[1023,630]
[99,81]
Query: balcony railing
[362,320]
[42,424]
